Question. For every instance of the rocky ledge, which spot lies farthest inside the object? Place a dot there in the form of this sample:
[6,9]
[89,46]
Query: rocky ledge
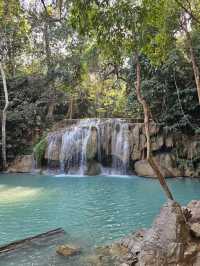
[173,239]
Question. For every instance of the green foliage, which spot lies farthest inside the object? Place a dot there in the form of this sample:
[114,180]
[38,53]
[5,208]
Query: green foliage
[39,151]
[68,45]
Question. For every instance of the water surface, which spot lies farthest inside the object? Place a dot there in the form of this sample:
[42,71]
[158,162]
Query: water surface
[92,210]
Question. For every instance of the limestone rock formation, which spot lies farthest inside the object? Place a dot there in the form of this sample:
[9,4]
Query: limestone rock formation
[121,145]
[22,164]
[166,241]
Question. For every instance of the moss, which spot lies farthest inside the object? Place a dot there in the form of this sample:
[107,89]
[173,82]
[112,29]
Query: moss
[39,151]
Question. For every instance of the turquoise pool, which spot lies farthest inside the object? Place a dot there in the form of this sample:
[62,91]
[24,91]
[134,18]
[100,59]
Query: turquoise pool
[92,210]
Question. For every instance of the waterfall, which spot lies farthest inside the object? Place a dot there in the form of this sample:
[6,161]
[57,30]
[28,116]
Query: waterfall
[100,142]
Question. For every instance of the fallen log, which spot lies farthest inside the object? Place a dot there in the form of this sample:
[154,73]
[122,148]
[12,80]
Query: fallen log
[19,243]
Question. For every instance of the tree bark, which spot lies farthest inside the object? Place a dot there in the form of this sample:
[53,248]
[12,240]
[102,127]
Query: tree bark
[146,111]
[194,64]
[4,115]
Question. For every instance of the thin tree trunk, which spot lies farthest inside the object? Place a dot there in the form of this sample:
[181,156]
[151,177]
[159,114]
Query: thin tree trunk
[194,64]
[47,46]
[4,114]
[71,108]
[150,158]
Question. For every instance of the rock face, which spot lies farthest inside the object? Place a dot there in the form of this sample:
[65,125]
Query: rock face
[115,143]
[22,164]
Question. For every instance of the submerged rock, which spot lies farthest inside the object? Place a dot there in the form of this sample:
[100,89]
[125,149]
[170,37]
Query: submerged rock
[68,250]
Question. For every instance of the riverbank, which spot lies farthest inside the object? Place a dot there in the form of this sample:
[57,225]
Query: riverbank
[173,239]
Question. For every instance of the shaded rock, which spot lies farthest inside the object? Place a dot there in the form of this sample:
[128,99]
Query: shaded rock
[195,229]
[169,141]
[22,164]
[68,250]
[157,142]
[93,168]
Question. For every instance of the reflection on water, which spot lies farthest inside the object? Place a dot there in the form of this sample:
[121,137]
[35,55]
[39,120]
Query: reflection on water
[15,194]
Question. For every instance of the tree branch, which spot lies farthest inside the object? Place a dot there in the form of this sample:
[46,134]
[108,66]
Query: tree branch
[189,12]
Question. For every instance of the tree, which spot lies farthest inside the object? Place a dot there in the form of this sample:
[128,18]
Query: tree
[4,115]
[119,28]
[170,19]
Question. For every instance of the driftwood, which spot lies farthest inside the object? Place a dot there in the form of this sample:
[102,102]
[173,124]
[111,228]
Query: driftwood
[20,243]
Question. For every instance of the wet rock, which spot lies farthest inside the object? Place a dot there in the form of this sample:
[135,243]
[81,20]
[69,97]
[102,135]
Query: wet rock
[53,150]
[93,168]
[22,164]
[91,147]
[68,250]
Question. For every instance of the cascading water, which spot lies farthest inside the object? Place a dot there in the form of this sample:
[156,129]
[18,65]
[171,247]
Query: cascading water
[91,141]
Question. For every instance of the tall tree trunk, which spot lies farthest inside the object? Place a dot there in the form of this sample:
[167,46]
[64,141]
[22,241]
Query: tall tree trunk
[4,114]
[47,47]
[146,111]
[193,60]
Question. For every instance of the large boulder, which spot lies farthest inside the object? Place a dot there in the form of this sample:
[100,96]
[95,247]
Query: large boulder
[165,243]
[22,164]
[166,162]
[143,168]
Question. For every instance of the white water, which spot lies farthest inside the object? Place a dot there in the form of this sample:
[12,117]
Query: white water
[108,141]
